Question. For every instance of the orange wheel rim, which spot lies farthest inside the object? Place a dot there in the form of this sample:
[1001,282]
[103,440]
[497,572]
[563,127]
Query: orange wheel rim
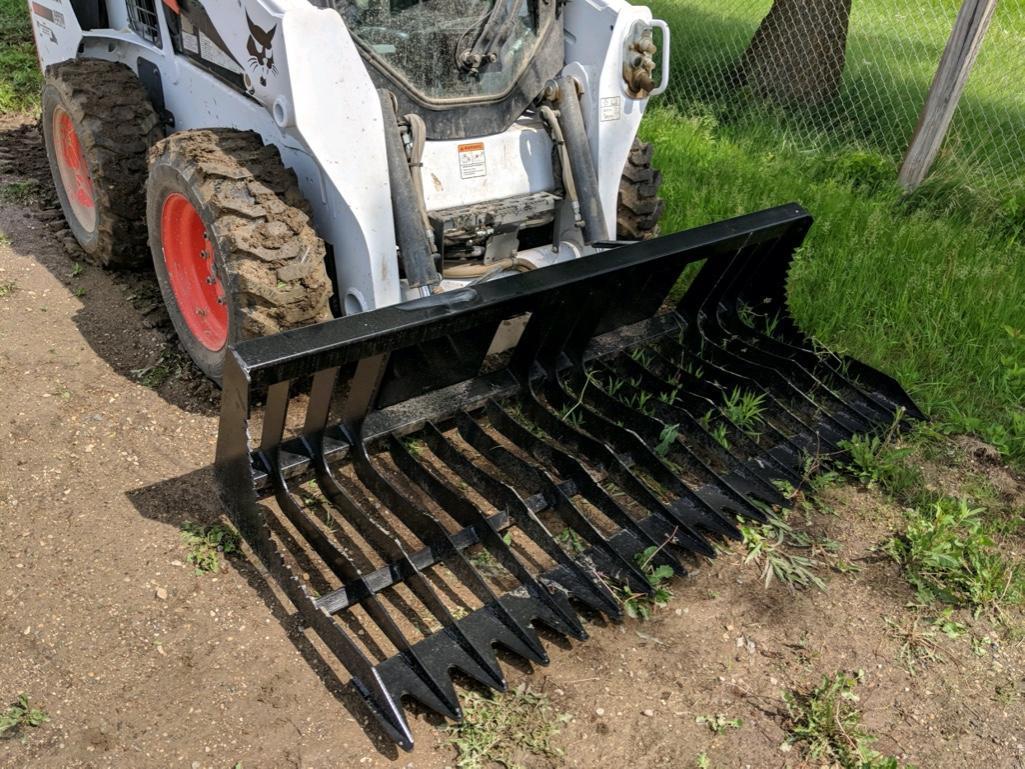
[191,271]
[74,171]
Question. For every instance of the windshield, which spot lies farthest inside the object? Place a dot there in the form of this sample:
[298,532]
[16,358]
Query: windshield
[427,43]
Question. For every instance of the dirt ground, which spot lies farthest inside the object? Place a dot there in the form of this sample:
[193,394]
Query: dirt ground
[140,663]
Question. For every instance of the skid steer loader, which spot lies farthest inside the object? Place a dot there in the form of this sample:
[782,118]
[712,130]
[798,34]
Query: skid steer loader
[414,242]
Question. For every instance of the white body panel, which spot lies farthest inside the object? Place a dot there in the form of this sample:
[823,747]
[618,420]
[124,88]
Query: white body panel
[318,105]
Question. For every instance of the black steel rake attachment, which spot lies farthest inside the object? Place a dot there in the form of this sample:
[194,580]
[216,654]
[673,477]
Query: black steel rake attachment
[422,501]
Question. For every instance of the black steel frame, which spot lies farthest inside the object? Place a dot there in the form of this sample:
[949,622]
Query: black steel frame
[599,378]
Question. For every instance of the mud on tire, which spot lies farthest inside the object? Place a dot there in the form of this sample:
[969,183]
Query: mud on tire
[115,124]
[267,256]
[639,208]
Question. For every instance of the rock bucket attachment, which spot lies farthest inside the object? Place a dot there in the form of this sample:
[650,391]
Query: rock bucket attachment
[422,501]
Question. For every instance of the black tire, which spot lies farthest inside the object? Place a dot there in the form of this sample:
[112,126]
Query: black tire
[266,255]
[640,208]
[115,126]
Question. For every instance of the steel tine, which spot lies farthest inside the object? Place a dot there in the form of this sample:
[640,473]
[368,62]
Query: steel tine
[433,534]
[652,427]
[591,589]
[599,454]
[467,514]
[649,431]
[542,483]
[571,469]
[670,409]
[629,444]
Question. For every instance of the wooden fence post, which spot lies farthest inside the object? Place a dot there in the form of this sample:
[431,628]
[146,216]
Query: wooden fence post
[947,86]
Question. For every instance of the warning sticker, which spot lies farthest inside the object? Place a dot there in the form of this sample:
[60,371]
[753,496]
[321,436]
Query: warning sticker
[471,161]
[611,108]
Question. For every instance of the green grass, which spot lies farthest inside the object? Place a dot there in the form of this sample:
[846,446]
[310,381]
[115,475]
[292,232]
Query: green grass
[19,71]
[926,287]
[512,729]
[892,53]
[923,297]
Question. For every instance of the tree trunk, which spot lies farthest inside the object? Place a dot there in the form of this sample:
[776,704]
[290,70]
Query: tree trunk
[797,55]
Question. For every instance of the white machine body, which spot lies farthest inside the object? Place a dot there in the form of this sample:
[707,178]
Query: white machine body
[308,91]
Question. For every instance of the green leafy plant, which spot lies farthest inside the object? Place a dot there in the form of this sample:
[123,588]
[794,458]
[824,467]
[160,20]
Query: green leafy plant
[571,540]
[745,410]
[946,554]
[827,722]
[877,462]
[170,365]
[7,287]
[642,605]
[21,714]
[769,545]
[506,730]
[207,544]
[667,439]
[22,191]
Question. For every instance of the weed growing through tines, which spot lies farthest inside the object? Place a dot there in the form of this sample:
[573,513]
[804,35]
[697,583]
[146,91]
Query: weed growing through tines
[505,729]
[207,544]
[827,722]
[571,541]
[641,605]
[745,410]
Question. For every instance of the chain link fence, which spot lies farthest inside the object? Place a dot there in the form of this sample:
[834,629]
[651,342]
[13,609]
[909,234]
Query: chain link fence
[837,75]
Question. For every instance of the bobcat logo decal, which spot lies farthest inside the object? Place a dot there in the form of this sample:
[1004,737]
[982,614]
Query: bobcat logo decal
[260,49]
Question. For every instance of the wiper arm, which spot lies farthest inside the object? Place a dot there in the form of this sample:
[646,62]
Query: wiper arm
[493,34]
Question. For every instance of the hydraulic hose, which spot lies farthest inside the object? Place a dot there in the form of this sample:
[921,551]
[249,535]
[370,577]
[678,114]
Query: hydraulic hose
[416,250]
[578,149]
[464,271]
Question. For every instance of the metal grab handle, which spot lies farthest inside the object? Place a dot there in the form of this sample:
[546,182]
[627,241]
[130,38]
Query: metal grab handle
[663,82]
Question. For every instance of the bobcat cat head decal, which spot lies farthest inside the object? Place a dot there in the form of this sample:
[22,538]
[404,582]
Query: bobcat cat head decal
[260,49]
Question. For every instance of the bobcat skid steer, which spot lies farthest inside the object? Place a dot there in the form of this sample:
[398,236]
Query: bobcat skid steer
[414,242]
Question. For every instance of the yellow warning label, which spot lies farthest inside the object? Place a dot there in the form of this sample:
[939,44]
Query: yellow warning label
[471,161]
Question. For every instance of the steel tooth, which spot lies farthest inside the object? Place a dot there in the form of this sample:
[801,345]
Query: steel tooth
[600,455]
[434,535]
[468,515]
[721,314]
[740,284]
[590,588]
[571,469]
[538,481]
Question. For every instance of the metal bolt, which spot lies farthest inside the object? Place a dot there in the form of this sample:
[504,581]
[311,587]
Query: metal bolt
[221,299]
[201,312]
[203,254]
[211,279]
